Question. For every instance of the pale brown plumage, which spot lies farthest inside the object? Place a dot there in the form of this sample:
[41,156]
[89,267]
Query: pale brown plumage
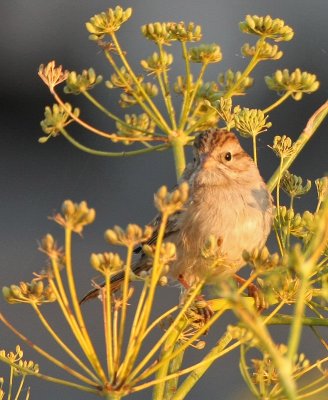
[228,200]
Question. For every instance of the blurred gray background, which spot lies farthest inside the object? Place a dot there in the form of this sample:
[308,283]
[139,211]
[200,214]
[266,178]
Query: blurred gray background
[35,178]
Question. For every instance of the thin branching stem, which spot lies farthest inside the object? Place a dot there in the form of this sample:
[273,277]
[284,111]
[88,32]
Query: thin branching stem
[155,111]
[167,93]
[278,102]
[88,150]
[111,136]
[76,305]
[187,92]
[20,387]
[62,344]
[45,354]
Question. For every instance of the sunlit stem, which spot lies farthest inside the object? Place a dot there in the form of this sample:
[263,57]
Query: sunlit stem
[107,309]
[157,115]
[178,144]
[125,300]
[110,114]
[311,127]
[19,390]
[175,366]
[169,347]
[254,149]
[174,327]
[282,364]
[167,93]
[11,382]
[75,302]
[191,98]
[99,132]
[187,92]
[252,64]
[45,354]
[88,150]
[63,345]
[186,344]
[278,102]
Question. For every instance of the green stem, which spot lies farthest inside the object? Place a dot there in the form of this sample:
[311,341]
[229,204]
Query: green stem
[167,93]
[278,102]
[175,366]
[111,115]
[194,377]
[178,144]
[191,98]
[187,92]
[64,346]
[88,150]
[254,149]
[252,64]
[20,387]
[311,127]
[153,107]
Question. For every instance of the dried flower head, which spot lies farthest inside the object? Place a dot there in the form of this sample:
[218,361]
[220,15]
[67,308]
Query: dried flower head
[297,82]
[52,75]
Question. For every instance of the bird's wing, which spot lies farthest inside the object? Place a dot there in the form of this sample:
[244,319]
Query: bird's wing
[171,227]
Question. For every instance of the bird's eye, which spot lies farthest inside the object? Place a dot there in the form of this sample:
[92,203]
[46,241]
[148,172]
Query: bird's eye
[228,156]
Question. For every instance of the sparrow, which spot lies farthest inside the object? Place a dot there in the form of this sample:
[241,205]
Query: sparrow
[228,200]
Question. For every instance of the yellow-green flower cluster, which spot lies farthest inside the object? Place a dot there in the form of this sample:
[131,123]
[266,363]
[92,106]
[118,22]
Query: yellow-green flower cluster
[128,99]
[322,188]
[264,51]
[229,79]
[251,122]
[106,263]
[165,32]
[293,185]
[157,63]
[170,202]
[77,83]
[297,82]
[56,118]
[21,367]
[267,27]
[122,80]
[33,292]
[107,22]
[75,216]
[131,236]
[205,54]
[138,124]
[283,146]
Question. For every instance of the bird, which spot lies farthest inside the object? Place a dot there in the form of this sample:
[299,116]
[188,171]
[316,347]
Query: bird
[228,200]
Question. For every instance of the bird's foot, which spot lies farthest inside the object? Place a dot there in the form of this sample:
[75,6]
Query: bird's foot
[260,302]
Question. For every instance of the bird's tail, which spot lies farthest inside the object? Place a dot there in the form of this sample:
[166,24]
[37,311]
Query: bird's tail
[115,284]
[117,280]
